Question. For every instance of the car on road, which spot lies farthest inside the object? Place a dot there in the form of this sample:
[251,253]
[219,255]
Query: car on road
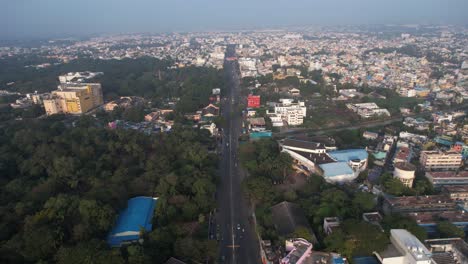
[238,226]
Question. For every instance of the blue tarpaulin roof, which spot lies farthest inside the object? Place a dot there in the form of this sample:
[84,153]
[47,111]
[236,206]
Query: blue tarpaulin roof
[137,215]
[348,154]
[336,169]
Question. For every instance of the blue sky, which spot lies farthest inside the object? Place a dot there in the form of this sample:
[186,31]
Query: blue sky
[44,18]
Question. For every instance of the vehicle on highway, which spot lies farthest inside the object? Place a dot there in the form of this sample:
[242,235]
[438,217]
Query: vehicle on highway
[238,226]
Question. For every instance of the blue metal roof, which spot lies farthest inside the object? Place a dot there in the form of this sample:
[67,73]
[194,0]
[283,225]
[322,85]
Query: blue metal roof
[338,260]
[366,260]
[348,154]
[264,134]
[336,169]
[137,215]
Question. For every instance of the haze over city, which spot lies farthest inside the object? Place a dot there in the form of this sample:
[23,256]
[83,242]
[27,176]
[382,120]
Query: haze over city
[56,18]
[234,132]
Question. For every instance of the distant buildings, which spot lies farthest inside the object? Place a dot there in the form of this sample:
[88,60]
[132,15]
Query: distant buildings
[366,110]
[78,77]
[74,98]
[435,160]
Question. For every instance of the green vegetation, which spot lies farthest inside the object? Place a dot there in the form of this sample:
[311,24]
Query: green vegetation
[393,186]
[357,239]
[448,230]
[62,188]
[147,77]
[317,198]
[397,221]
[263,159]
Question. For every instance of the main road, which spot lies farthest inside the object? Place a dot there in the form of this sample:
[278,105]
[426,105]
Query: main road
[238,242]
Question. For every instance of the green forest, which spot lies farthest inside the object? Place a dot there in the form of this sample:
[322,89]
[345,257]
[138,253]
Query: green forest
[147,77]
[62,186]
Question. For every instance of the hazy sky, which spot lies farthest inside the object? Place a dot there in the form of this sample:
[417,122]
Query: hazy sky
[43,18]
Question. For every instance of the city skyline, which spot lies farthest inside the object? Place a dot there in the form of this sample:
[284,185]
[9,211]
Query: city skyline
[53,18]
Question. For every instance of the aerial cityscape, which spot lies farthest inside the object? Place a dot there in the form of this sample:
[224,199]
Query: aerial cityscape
[203,139]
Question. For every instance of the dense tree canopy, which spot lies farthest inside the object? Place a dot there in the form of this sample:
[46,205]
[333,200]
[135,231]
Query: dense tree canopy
[61,188]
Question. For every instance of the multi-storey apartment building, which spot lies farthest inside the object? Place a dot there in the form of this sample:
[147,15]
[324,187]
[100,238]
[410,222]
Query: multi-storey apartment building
[449,160]
[74,98]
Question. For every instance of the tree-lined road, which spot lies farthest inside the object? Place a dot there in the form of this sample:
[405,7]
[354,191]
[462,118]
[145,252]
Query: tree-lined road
[238,241]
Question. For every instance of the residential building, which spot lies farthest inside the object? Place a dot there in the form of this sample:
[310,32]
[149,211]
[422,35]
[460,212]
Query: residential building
[299,249]
[74,98]
[291,112]
[434,160]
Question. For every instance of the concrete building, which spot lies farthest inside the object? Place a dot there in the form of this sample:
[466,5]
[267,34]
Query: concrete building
[443,178]
[448,250]
[367,110]
[74,98]
[418,204]
[405,248]
[458,193]
[330,224]
[404,171]
[437,160]
[300,251]
[291,112]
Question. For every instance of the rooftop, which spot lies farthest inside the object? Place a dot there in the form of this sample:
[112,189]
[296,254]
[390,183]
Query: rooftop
[137,215]
[434,217]
[348,154]
[336,169]
[424,201]
[316,158]
[405,166]
[456,188]
[295,143]
[447,174]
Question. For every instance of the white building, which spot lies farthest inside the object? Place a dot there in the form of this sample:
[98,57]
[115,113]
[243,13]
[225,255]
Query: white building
[404,171]
[367,110]
[405,249]
[292,113]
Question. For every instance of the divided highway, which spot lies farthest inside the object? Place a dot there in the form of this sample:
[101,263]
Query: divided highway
[237,239]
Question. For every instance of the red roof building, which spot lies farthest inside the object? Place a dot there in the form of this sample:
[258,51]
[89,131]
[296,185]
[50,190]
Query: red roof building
[253,101]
